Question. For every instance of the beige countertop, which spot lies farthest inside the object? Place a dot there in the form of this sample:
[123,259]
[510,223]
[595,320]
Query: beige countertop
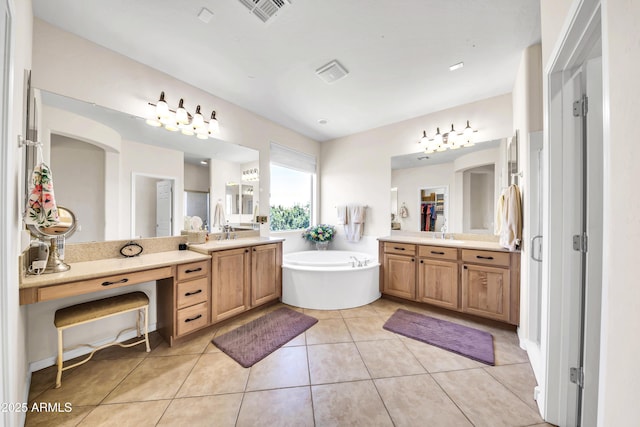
[220,245]
[464,244]
[109,266]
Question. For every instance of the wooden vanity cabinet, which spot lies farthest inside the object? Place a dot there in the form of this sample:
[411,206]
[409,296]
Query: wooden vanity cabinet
[192,297]
[244,278]
[438,276]
[266,271]
[480,282]
[486,284]
[230,275]
[399,270]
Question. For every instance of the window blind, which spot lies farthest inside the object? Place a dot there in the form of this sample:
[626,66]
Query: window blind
[293,159]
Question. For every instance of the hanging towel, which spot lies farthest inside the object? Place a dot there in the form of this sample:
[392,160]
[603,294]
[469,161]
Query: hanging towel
[218,215]
[354,228]
[511,229]
[41,209]
[404,212]
[342,215]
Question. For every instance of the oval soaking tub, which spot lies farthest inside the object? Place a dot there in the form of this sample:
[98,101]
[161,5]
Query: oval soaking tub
[329,280]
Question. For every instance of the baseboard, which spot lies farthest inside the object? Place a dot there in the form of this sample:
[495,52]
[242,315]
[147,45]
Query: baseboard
[522,340]
[71,354]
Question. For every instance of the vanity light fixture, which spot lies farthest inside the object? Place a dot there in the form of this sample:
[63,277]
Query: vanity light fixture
[181,120]
[451,140]
[252,174]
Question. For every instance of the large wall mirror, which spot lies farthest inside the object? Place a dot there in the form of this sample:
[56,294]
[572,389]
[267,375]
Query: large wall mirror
[124,179]
[458,188]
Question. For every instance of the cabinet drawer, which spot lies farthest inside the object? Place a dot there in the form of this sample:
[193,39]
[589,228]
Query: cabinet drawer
[486,257]
[438,252]
[193,292]
[399,248]
[192,318]
[102,283]
[192,270]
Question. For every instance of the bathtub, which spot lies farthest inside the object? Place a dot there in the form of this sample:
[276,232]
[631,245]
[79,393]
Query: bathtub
[329,280]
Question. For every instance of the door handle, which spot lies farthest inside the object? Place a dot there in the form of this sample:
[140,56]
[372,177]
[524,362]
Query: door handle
[533,245]
[114,283]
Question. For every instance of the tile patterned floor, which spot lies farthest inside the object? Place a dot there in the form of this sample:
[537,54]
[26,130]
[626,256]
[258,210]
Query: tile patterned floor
[345,370]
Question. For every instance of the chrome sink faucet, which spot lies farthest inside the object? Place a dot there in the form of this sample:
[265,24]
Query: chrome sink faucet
[227,231]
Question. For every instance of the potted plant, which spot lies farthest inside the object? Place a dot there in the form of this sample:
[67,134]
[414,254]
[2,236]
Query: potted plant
[320,234]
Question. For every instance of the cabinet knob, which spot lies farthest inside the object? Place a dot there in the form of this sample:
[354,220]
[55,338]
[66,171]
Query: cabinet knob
[421,261]
[413,260]
[246,251]
[254,249]
[465,267]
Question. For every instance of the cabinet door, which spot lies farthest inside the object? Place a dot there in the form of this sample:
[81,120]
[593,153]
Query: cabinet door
[266,279]
[485,291]
[229,283]
[399,276]
[438,283]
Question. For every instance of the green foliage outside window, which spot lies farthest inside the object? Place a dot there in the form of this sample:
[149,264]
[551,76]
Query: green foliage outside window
[290,218]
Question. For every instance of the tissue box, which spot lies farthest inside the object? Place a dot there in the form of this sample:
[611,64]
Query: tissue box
[195,236]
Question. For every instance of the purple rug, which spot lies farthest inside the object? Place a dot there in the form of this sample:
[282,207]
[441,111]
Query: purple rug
[259,338]
[468,342]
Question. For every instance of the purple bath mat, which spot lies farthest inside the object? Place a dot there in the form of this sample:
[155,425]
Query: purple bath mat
[259,338]
[468,342]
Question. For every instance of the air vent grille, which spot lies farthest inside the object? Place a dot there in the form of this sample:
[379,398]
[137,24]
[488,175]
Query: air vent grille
[332,72]
[264,9]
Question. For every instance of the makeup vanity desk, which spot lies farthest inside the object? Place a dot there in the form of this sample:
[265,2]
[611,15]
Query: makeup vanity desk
[182,290]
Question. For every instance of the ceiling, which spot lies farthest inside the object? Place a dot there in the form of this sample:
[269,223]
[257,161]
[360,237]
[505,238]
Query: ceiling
[397,53]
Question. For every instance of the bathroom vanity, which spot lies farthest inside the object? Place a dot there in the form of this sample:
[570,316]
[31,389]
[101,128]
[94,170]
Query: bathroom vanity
[194,288]
[473,277]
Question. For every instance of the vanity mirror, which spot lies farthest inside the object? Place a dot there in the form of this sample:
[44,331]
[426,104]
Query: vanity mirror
[56,234]
[457,188]
[125,179]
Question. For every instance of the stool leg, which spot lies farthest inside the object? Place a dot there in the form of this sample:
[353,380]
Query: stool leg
[138,314]
[60,348]
[146,327]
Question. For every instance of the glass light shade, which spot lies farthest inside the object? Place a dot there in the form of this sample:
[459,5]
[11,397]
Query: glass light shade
[468,132]
[429,150]
[202,135]
[452,136]
[469,143]
[438,138]
[214,126]
[181,114]
[424,140]
[162,108]
[198,120]
[442,148]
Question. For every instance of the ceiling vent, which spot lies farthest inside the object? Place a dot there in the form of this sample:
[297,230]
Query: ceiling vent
[332,72]
[265,10]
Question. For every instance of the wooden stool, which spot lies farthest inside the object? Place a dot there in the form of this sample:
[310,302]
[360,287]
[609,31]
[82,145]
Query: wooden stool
[100,309]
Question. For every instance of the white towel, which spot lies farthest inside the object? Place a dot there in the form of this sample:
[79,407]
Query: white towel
[511,230]
[342,215]
[354,228]
[218,215]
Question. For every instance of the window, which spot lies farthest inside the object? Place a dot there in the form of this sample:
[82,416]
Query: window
[291,199]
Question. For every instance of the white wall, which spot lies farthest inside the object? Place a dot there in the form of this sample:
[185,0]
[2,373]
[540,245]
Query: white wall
[357,168]
[196,177]
[14,318]
[78,171]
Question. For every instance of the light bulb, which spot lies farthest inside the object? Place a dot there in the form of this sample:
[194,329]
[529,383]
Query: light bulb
[438,138]
[468,132]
